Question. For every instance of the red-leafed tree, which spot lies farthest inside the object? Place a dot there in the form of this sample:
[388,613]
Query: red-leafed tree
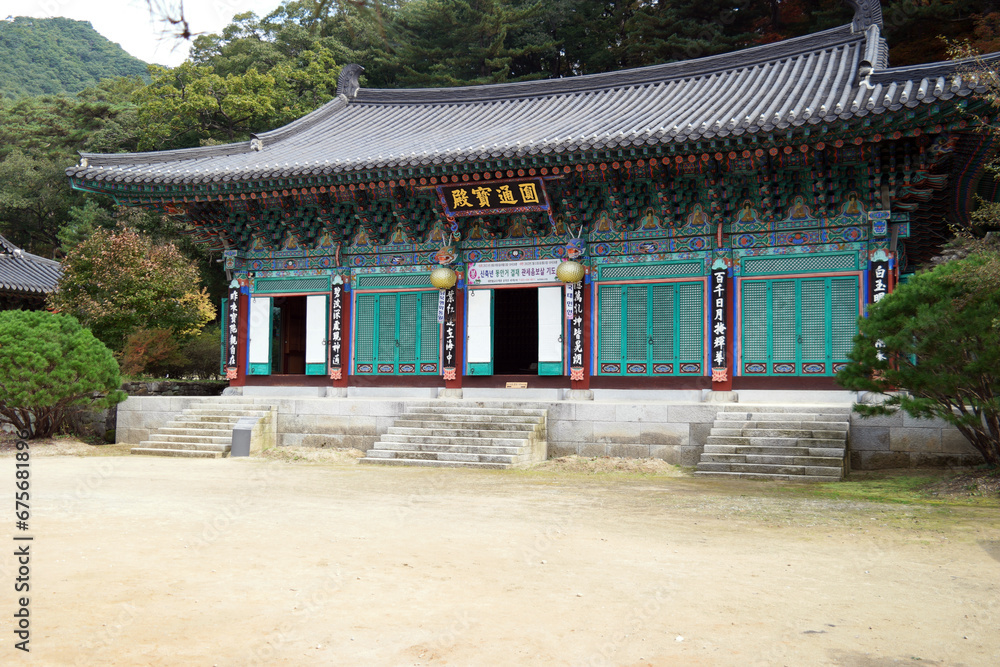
[117,282]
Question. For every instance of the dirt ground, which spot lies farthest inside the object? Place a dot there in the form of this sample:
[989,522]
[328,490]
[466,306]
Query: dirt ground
[291,561]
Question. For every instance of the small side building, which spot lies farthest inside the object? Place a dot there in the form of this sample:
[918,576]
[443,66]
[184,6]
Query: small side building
[25,279]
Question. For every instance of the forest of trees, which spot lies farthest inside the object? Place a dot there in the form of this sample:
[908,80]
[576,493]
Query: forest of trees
[262,72]
[53,56]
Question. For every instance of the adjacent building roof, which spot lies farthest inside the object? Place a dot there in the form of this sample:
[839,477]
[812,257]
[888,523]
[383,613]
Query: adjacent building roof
[832,76]
[24,273]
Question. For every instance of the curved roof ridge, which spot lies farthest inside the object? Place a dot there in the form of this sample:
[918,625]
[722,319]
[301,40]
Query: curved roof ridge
[940,68]
[638,76]
[198,152]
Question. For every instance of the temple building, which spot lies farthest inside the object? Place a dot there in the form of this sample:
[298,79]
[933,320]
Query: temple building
[711,225]
[25,279]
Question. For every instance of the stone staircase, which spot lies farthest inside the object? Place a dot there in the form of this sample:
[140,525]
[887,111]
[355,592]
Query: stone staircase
[204,430]
[796,443]
[464,435]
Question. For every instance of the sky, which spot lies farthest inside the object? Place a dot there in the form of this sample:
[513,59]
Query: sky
[128,22]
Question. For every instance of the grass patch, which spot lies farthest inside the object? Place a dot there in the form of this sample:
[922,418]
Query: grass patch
[930,487]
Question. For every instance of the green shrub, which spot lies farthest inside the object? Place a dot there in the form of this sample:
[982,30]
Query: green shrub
[50,364]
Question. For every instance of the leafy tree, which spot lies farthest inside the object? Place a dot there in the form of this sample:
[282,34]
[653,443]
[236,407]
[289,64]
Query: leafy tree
[937,338]
[117,282]
[34,200]
[461,42]
[58,55]
[192,104]
[151,351]
[50,364]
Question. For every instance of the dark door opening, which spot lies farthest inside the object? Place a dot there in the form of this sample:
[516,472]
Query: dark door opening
[515,331]
[288,347]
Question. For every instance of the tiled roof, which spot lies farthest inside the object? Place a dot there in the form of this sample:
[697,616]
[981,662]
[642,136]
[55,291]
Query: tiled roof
[831,76]
[25,273]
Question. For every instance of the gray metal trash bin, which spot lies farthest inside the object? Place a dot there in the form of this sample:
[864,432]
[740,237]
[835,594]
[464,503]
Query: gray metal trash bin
[241,436]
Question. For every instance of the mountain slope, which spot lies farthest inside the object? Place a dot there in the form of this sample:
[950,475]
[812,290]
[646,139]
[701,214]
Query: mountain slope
[58,55]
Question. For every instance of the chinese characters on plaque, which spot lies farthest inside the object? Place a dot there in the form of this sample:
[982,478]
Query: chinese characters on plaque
[232,326]
[574,297]
[720,339]
[491,197]
[336,338]
[450,332]
[879,280]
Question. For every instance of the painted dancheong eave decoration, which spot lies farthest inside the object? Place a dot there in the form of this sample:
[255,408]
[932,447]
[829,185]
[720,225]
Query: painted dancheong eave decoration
[728,218]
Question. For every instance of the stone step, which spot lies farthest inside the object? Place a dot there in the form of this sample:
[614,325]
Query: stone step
[801,408]
[197,439]
[470,410]
[446,456]
[198,412]
[784,416]
[184,453]
[460,433]
[207,419]
[771,469]
[448,447]
[189,446]
[456,441]
[774,460]
[835,452]
[434,463]
[729,424]
[769,476]
[181,430]
[467,425]
[774,441]
[792,433]
[466,417]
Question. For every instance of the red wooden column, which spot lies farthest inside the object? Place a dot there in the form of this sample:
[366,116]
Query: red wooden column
[720,322]
[582,308]
[339,372]
[242,331]
[454,317]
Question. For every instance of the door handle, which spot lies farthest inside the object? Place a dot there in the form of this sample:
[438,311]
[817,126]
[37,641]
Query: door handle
[650,340]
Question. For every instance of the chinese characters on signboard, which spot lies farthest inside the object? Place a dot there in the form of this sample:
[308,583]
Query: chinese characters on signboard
[720,338]
[232,327]
[450,329]
[506,273]
[336,339]
[574,296]
[492,197]
[879,280]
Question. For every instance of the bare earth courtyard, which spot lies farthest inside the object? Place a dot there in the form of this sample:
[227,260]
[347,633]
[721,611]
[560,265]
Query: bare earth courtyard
[148,561]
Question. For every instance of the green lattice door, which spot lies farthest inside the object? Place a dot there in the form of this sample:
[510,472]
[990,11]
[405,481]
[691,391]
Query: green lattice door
[397,334]
[799,326]
[651,329]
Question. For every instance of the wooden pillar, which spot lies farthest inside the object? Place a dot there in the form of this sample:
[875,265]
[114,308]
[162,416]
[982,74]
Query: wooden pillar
[582,309]
[720,322]
[339,371]
[242,330]
[454,319]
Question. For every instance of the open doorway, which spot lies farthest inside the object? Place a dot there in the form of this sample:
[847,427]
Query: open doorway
[288,343]
[515,333]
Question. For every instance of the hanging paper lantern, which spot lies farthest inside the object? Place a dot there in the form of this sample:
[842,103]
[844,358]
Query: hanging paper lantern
[570,272]
[443,278]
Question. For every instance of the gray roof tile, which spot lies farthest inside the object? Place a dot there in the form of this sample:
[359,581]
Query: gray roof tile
[25,273]
[808,80]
